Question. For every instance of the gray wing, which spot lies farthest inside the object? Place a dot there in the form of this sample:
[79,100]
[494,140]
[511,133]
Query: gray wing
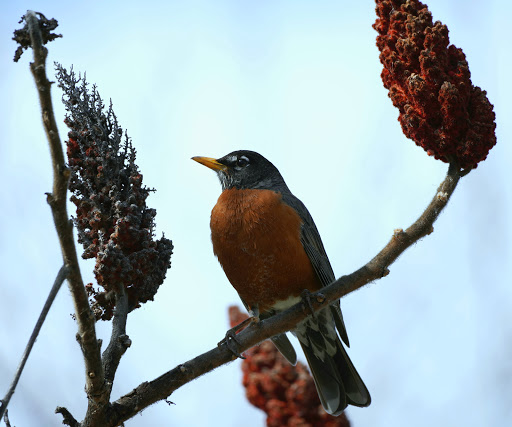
[310,238]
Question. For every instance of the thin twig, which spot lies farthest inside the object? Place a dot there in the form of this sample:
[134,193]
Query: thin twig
[6,419]
[160,388]
[98,413]
[61,276]
[68,419]
[119,341]
[95,383]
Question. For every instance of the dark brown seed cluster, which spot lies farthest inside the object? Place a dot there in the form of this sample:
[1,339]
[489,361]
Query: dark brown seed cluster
[113,222]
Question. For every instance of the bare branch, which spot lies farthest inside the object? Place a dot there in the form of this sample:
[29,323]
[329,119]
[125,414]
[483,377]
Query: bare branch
[119,341]
[68,419]
[95,383]
[160,388]
[6,419]
[61,276]
[99,410]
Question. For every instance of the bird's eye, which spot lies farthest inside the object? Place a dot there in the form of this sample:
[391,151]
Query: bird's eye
[242,161]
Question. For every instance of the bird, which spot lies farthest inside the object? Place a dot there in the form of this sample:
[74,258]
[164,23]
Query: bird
[271,252]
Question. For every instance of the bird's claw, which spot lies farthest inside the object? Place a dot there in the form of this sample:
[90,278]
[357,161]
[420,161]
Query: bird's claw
[307,296]
[232,343]
[230,338]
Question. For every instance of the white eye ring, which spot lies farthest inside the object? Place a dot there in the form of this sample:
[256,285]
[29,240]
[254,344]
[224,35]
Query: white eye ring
[242,161]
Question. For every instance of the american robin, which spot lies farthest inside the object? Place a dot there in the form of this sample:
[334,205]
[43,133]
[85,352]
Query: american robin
[270,249]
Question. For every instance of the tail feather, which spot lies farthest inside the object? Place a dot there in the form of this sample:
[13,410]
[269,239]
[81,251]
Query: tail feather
[357,393]
[329,384]
[284,345]
[336,379]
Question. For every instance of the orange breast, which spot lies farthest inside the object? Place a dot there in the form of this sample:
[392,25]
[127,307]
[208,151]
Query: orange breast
[256,238]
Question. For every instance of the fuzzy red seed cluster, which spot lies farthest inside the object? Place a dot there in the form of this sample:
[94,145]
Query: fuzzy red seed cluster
[429,82]
[113,222]
[286,393]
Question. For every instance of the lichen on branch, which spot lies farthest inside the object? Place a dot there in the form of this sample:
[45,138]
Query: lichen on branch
[114,224]
[429,82]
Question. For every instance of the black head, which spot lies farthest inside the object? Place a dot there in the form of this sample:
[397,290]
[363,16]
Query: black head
[245,169]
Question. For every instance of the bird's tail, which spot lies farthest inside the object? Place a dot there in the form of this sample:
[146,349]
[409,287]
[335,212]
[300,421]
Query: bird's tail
[336,379]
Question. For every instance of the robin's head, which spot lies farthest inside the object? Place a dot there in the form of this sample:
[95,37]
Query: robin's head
[245,169]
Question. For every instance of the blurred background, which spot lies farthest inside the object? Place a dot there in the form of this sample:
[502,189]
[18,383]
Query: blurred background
[299,82]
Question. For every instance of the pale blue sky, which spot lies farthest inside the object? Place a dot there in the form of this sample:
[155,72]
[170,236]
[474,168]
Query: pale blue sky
[299,82]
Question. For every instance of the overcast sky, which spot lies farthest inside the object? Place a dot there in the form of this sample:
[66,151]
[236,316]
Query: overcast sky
[299,82]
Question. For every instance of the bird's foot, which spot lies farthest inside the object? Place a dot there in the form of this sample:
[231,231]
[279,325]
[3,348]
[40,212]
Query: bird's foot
[230,338]
[232,343]
[307,296]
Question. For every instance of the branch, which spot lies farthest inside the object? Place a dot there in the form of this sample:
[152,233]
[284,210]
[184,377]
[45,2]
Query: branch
[61,276]
[160,388]
[86,336]
[68,419]
[119,341]
[6,419]
[99,411]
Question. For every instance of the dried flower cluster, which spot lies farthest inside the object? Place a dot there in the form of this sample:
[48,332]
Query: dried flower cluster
[22,36]
[286,393]
[114,224]
[429,82]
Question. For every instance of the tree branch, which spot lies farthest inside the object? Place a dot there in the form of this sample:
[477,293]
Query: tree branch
[68,419]
[160,388]
[61,276]
[6,419]
[95,383]
[119,341]
[99,411]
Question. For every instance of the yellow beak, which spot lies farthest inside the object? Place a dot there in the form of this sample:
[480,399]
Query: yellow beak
[210,163]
